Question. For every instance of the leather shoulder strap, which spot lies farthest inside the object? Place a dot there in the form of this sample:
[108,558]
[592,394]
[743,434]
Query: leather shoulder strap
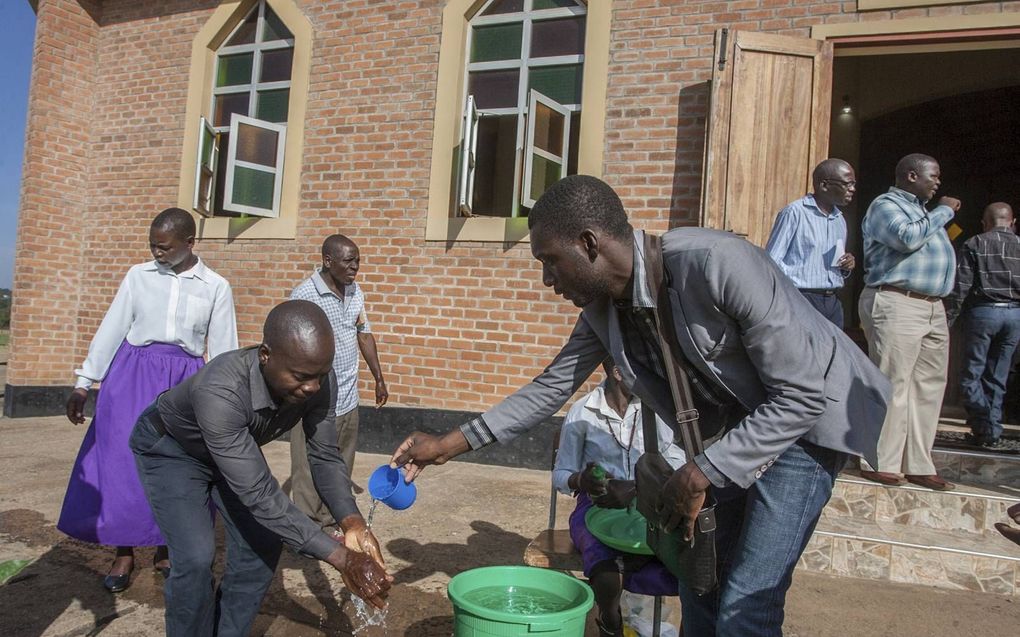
[679,384]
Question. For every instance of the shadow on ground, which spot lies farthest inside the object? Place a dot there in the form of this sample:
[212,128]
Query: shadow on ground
[68,575]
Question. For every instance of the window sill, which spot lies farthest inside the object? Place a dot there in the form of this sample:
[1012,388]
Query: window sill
[247,228]
[496,229]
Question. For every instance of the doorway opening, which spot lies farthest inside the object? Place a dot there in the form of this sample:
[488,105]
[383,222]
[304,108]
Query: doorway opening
[962,107]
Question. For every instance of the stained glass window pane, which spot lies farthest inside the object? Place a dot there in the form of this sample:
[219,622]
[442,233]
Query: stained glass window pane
[544,173]
[253,187]
[234,69]
[494,89]
[272,105]
[256,145]
[245,33]
[275,29]
[504,6]
[552,4]
[548,129]
[228,104]
[497,42]
[559,83]
[276,65]
[557,37]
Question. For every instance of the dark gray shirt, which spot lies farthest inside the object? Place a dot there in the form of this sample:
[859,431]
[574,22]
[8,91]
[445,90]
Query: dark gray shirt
[224,413]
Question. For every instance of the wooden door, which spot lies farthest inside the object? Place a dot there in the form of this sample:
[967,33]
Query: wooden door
[768,128]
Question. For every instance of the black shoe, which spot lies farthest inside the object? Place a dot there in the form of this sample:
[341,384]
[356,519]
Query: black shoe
[163,570]
[982,440]
[117,583]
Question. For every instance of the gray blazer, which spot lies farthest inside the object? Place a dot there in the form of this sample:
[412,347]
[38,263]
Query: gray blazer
[743,324]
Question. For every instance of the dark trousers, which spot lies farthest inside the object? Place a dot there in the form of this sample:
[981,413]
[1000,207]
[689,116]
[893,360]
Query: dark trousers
[178,488]
[760,534]
[827,304]
[992,334]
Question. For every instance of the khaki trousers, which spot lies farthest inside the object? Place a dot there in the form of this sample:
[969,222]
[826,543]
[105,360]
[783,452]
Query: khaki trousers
[908,339]
[302,489]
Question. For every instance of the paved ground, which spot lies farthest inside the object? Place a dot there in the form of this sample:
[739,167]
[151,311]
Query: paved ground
[466,516]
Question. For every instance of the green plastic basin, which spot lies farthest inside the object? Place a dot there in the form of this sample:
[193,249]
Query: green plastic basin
[509,601]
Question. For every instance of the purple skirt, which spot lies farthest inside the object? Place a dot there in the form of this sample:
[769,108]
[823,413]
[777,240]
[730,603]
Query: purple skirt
[105,503]
[651,579]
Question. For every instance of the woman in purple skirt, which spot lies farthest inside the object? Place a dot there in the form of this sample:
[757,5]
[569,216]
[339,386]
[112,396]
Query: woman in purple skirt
[153,336]
[600,442]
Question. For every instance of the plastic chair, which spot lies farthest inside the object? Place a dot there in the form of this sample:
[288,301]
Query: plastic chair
[553,548]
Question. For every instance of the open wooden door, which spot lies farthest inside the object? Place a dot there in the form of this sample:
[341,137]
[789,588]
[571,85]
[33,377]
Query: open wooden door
[768,128]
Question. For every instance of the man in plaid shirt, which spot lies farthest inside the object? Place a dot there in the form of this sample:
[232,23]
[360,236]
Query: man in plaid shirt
[333,289]
[909,266]
[987,292]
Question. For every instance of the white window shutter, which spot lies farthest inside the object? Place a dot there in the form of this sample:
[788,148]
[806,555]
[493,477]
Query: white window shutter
[547,144]
[468,147]
[205,167]
[254,167]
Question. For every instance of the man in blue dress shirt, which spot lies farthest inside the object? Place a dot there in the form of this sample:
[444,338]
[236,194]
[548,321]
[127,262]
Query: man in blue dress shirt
[808,239]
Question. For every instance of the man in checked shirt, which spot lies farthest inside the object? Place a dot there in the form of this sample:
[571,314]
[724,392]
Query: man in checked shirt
[987,295]
[909,266]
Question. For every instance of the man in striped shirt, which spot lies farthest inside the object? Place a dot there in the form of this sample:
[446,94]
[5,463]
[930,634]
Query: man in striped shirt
[809,237]
[987,292]
[909,265]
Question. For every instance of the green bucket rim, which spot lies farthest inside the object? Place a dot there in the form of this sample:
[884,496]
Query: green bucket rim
[456,597]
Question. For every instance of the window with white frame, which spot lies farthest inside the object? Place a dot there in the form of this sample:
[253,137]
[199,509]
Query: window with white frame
[522,104]
[239,167]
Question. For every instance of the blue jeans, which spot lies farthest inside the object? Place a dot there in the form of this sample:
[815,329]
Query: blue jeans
[828,305]
[760,534]
[178,487]
[992,334]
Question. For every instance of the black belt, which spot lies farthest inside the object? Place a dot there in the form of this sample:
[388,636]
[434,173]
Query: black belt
[821,291]
[1008,304]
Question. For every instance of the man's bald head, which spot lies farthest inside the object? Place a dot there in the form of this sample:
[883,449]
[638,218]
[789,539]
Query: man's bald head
[297,351]
[298,327]
[997,215]
[177,222]
[334,243]
[829,169]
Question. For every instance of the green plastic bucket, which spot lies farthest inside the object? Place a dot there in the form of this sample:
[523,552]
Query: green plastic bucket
[508,601]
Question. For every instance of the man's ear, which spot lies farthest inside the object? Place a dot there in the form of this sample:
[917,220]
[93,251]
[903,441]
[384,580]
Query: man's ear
[590,241]
[190,241]
[264,352]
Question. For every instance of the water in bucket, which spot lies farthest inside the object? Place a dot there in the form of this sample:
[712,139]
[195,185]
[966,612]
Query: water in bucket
[518,600]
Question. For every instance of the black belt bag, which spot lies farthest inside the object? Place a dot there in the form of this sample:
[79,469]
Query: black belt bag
[692,562]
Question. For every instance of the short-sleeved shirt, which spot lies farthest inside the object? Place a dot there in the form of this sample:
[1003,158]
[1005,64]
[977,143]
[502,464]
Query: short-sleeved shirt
[225,412]
[347,316]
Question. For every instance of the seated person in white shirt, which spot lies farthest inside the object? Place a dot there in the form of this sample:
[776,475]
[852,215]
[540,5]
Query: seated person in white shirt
[603,430]
[167,315]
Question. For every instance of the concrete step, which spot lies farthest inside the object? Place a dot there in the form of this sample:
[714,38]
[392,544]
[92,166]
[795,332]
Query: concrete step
[978,468]
[969,509]
[888,551]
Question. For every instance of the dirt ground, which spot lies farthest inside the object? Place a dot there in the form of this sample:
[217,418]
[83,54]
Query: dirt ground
[466,516]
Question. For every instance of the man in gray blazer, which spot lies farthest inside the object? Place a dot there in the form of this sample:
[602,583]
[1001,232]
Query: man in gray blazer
[785,397]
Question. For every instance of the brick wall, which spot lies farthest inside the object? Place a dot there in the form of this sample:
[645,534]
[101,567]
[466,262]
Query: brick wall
[458,325]
[55,194]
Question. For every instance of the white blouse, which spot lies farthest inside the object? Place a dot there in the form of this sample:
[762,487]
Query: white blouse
[156,305]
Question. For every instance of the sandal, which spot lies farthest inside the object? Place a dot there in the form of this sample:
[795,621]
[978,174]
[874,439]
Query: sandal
[606,632]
